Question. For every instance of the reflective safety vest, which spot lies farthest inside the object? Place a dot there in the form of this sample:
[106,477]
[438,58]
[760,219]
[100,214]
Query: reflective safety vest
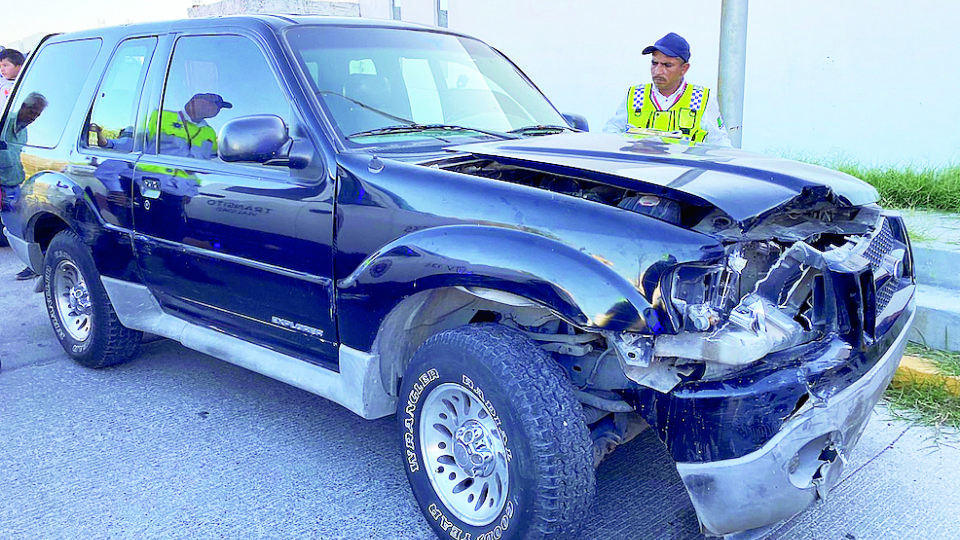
[684,116]
[172,124]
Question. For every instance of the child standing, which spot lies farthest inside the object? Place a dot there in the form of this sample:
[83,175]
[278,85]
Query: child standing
[11,60]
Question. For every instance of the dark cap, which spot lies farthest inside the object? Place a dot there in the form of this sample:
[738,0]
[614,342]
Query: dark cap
[214,98]
[671,45]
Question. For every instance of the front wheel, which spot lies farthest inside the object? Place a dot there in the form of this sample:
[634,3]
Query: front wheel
[495,443]
[79,309]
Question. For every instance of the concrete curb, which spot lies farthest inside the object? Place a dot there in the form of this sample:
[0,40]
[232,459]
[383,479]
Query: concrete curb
[913,369]
[938,318]
[937,267]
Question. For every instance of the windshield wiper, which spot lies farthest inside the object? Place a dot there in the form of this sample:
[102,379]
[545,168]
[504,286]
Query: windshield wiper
[540,130]
[367,107]
[413,127]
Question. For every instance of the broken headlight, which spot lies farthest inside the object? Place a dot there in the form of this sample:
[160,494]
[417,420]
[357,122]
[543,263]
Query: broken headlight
[731,314]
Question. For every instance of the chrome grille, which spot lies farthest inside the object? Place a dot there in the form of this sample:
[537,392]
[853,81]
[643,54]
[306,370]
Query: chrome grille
[885,294]
[878,246]
[881,244]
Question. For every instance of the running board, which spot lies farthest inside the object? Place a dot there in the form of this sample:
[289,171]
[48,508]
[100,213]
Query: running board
[357,386]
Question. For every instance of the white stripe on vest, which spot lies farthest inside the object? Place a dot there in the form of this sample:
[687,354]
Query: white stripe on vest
[696,98]
[638,92]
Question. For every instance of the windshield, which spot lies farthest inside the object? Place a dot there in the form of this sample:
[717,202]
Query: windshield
[391,86]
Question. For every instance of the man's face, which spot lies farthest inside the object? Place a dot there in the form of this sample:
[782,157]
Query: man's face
[201,108]
[667,72]
[8,69]
[29,111]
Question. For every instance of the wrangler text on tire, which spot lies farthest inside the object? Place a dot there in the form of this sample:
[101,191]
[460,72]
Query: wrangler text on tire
[495,445]
[79,309]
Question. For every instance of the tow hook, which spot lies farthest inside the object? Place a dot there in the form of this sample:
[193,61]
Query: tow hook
[828,456]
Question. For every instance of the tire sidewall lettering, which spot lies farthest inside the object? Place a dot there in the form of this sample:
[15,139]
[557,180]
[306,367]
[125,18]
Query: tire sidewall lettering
[478,391]
[451,526]
[73,346]
[422,383]
[447,525]
[501,527]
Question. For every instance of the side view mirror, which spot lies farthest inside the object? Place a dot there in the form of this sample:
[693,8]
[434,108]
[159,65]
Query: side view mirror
[261,138]
[577,121]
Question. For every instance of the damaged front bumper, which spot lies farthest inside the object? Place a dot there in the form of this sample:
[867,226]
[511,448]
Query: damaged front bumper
[799,463]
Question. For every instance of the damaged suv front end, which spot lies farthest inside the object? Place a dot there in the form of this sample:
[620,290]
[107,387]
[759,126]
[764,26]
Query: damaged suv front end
[757,359]
[793,360]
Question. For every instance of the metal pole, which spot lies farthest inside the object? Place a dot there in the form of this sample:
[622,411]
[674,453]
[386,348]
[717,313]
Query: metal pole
[733,62]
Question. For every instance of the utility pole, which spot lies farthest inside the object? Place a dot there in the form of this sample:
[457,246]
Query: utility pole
[732,68]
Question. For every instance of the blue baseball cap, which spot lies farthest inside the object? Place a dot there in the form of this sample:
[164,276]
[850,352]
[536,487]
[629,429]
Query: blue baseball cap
[216,99]
[671,45]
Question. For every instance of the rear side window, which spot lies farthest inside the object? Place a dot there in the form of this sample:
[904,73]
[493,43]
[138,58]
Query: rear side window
[112,118]
[50,91]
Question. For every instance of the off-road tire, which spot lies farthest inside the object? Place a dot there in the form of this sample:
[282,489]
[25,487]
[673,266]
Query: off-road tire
[80,311]
[490,383]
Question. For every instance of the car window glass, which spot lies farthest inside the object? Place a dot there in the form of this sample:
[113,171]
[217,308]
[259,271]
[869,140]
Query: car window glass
[212,80]
[113,115]
[425,106]
[373,78]
[49,91]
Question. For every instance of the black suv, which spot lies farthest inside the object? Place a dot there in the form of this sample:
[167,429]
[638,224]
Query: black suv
[395,218]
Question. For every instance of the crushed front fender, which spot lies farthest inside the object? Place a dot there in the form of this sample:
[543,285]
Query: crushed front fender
[799,464]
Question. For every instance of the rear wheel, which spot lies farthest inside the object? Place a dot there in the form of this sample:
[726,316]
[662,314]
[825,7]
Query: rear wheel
[495,443]
[80,311]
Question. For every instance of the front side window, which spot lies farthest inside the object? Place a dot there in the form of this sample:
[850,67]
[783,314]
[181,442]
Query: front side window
[373,80]
[212,80]
[112,117]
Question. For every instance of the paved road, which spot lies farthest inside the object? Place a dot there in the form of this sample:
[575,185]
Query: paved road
[179,445]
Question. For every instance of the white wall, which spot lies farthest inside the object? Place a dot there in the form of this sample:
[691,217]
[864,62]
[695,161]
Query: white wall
[584,54]
[415,11]
[873,81]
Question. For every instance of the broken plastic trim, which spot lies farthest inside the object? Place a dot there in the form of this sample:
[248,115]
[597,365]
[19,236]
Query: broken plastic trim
[635,353]
[755,329]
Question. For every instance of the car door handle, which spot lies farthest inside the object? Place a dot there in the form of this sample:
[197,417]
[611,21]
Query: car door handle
[150,187]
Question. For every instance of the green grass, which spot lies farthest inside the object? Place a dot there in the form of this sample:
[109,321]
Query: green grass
[920,236]
[920,187]
[925,402]
[948,361]
[927,188]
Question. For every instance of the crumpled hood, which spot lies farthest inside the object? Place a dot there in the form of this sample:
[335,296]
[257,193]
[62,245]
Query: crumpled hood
[740,183]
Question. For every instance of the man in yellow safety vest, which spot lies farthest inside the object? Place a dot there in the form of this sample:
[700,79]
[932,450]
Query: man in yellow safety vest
[186,133]
[670,105]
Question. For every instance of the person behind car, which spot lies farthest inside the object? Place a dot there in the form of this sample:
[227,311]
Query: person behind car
[186,132]
[11,60]
[181,133]
[11,170]
[123,142]
[670,104]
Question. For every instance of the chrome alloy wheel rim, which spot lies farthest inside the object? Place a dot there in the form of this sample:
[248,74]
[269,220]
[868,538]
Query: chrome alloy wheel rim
[464,454]
[71,299]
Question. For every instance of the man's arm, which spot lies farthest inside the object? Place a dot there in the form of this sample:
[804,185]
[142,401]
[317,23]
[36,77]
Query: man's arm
[712,122]
[617,123]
